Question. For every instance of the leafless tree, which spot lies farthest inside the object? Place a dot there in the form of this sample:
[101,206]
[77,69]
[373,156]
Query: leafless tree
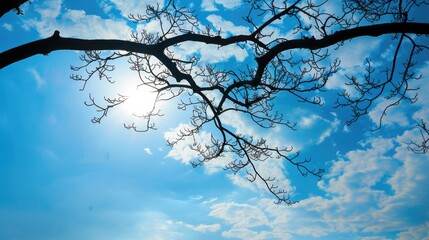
[296,62]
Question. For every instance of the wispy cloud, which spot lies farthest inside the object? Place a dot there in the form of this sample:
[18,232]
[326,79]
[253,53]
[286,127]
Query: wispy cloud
[332,128]
[239,215]
[40,82]
[211,200]
[8,27]
[148,151]
[201,227]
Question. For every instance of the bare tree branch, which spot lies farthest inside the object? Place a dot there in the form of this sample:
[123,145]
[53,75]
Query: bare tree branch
[56,42]
[9,5]
[210,93]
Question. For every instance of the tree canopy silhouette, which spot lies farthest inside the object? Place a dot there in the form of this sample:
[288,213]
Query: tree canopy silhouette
[296,61]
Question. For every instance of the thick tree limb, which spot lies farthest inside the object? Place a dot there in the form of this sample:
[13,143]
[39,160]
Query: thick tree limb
[55,43]
[343,35]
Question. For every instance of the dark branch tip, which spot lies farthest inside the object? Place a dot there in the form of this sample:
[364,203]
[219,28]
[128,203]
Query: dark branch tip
[56,34]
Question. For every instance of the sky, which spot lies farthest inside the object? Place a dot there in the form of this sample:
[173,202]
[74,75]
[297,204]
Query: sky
[64,177]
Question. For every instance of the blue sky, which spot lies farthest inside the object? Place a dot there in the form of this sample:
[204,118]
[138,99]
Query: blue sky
[63,177]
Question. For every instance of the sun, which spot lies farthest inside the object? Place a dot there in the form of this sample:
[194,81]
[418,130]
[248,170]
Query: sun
[139,101]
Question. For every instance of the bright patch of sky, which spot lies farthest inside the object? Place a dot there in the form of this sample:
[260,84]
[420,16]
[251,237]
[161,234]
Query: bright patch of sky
[59,172]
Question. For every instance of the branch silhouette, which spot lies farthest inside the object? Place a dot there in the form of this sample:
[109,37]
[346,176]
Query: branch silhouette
[213,94]
[56,43]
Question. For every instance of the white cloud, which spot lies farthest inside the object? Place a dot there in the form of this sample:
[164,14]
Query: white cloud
[307,122]
[210,53]
[8,27]
[75,23]
[211,200]
[182,150]
[245,233]
[338,80]
[40,82]
[394,115]
[272,167]
[422,102]
[49,9]
[196,197]
[239,215]
[355,184]
[208,5]
[242,181]
[156,225]
[380,187]
[225,26]
[148,151]
[332,128]
[131,7]
[201,227]
[229,3]
[352,56]
[415,233]
[214,54]
[316,128]
[346,129]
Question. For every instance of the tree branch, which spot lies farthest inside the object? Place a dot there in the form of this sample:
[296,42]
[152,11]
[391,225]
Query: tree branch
[55,43]
[343,35]
[8,5]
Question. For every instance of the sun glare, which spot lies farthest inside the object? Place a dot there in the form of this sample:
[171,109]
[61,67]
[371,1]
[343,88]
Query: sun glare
[140,101]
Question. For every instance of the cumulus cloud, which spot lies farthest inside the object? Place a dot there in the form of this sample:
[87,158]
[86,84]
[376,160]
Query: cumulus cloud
[75,23]
[376,188]
[49,9]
